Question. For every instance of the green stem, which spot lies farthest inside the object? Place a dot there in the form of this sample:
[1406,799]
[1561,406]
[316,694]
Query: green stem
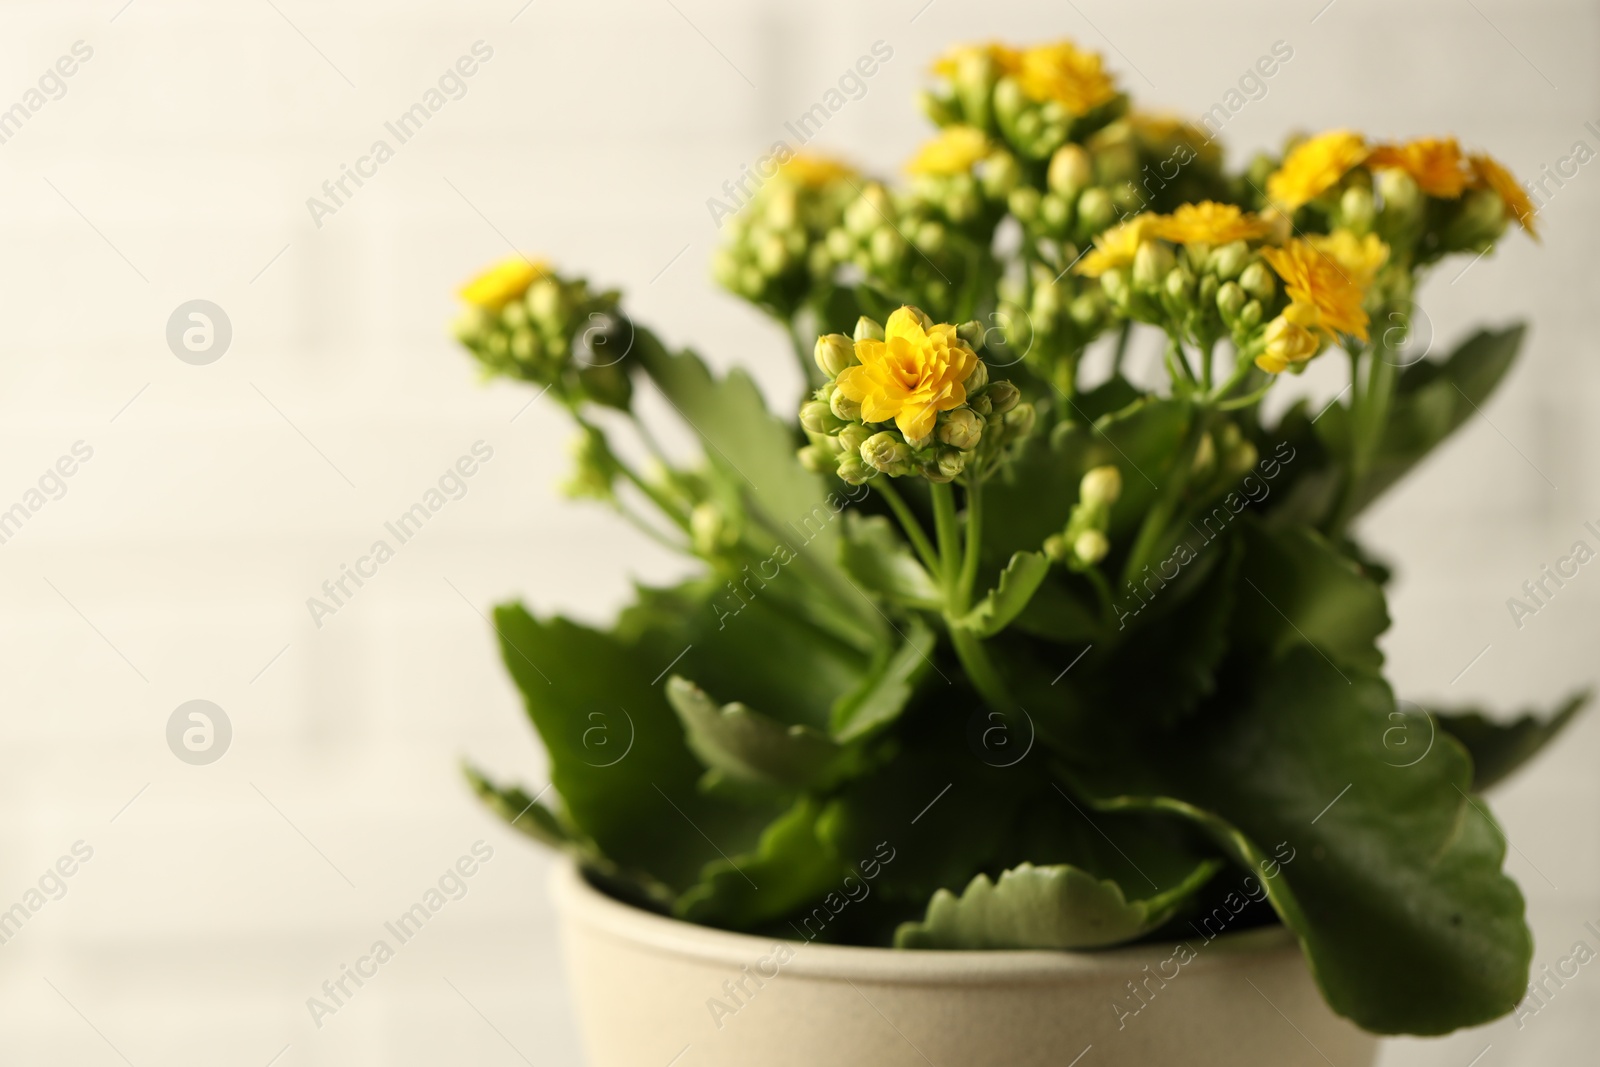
[1241,371]
[969,647]
[948,531]
[969,556]
[1159,517]
[908,522]
[981,670]
[1122,346]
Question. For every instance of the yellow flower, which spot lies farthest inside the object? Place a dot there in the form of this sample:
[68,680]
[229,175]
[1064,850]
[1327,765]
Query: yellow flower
[953,151]
[1064,73]
[1210,223]
[911,375]
[1489,174]
[1359,257]
[503,282]
[814,172]
[1005,58]
[1436,163]
[1319,282]
[1290,339]
[1116,247]
[1314,167]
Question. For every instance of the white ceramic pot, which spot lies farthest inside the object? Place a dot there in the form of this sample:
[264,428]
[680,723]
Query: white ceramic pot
[654,992]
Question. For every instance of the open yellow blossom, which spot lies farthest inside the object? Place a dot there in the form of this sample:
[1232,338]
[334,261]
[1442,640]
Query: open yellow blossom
[953,151]
[1063,72]
[1319,282]
[1116,247]
[1489,174]
[503,282]
[1005,58]
[1210,223]
[813,171]
[1359,257]
[1435,162]
[1315,166]
[1290,339]
[911,375]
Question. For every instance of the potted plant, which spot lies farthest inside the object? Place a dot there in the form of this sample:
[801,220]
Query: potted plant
[1023,702]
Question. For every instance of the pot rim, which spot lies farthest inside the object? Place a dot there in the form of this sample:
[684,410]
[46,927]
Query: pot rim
[581,903]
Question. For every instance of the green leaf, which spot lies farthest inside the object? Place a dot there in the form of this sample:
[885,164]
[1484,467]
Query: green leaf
[1009,596]
[883,693]
[1390,876]
[521,812]
[1433,399]
[749,747]
[790,867]
[617,752]
[1058,907]
[1298,590]
[878,558]
[1499,748]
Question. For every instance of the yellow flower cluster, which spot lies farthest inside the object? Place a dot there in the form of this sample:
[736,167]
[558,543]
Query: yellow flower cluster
[1060,72]
[919,369]
[1206,223]
[954,151]
[813,171]
[504,282]
[1326,277]
[1315,166]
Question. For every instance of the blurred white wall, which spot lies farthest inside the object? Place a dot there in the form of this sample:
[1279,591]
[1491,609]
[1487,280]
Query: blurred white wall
[176,166]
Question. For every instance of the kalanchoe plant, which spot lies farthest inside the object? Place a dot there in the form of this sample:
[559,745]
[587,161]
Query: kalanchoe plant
[1041,658]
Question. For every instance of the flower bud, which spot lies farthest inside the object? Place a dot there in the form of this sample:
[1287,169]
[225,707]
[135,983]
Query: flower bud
[1205,456]
[1055,546]
[1090,547]
[817,459]
[1020,421]
[961,428]
[1001,173]
[1085,311]
[1251,316]
[1024,203]
[833,353]
[887,247]
[921,316]
[1179,285]
[547,303]
[845,408]
[1100,486]
[1206,290]
[1071,171]
[852,437]
[1055,212]
[1003,396]
[978,378]
[1257,280]
[971,332]
[1096,211]
[1151,264]
[1356,210]
[868,329]
[1402,197]
[1231,299]
[1229,260]
[887,453]
[951,462]
[851,469]
[707,527]
[817,417]
[771,255]
[930,238]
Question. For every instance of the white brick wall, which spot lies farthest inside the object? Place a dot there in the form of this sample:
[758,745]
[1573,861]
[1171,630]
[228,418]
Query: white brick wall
[190,141]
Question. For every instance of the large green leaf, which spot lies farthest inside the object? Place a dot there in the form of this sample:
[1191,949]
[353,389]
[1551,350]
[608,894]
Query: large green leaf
[791,866]
[751,748]
[877,557]
[1390,876]
[1012,591]
[617,754]
[1499,748]
[882,695]
[1298,590]
[1059,907]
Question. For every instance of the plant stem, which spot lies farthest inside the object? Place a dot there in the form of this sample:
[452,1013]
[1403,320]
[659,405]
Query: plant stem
[948,530]
[1156,520]
[969,557]
[908,522]
[969,647]
[981,670]
[1122,346]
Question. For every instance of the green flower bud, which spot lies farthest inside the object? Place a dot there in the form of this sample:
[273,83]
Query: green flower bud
[941,110]
[921,316]
[1206,290]
[1020,421]
[1003,396]
[868,329]
[1085,311]
[1151,264]
[771,255]
[514,314]
[1251,316]
[1055,212]
[951,463]
[1356,210]
[1205,456]
[888,453]
[1114,283]
[844,408]
[1024,203]
[980,404]
[707,528]
[1231,299]
[1480,219]
[1229,260]
[833,353]
[930,238]
[1101,486]
[852,469]
[1096,211]
[817,417]
[1258,281]
[523,345]
[978,378]
[887,247]
[852,437]
[1055,546]
[547,304]
[1001,173]
[839,244]
[1090,547]
[971,332]
[1071,171]
[1047,304]
[818,459]
[1402,197]
[961,428]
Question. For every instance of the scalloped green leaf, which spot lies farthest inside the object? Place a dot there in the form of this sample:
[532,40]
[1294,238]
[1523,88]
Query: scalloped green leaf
[877,557]
[790,867]
[749,747]
[1499,748]
[883,694]
[1058,907]
[1009,597]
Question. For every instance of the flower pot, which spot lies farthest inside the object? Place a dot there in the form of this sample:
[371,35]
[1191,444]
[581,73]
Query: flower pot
[653,991]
